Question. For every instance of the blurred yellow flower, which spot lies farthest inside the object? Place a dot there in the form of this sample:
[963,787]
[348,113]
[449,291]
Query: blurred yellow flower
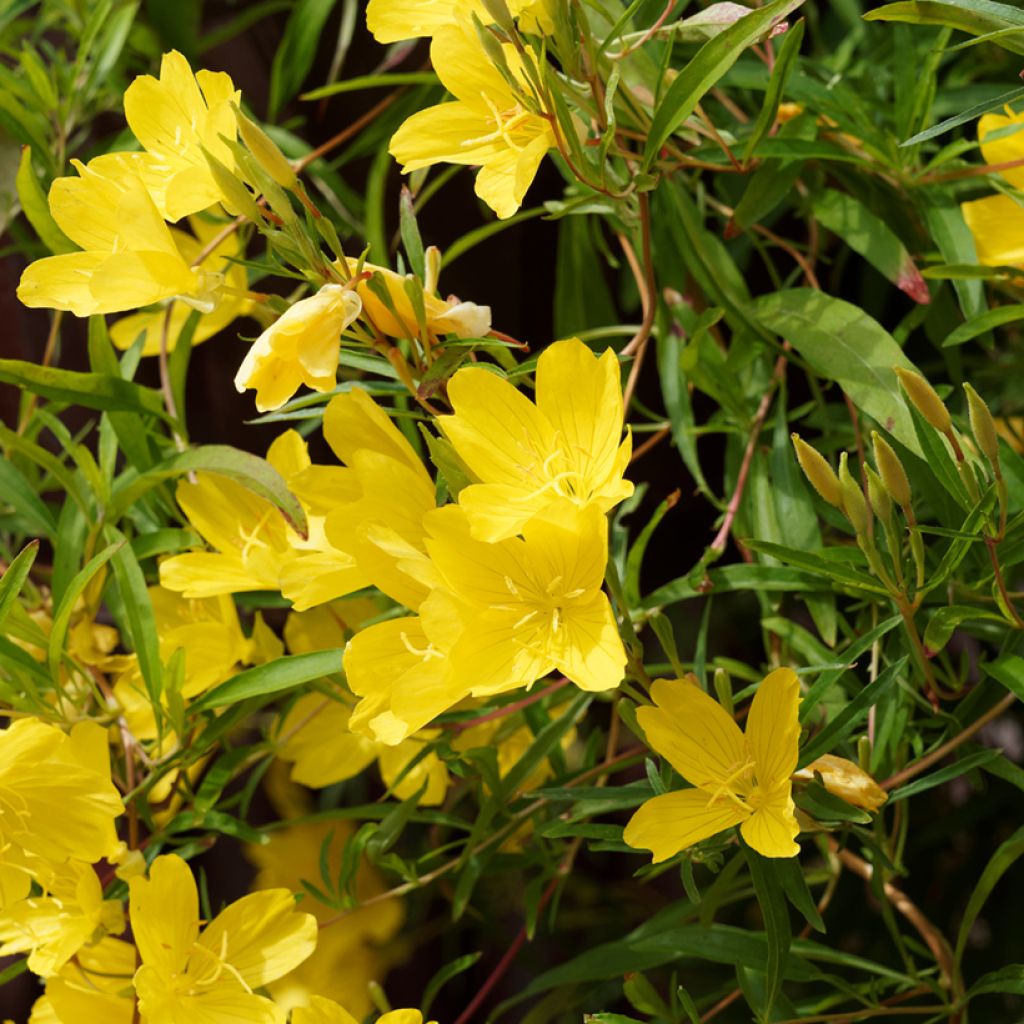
[175,117]
[188,974]
[391,21]
[129,258]
[301,347]
[230,294]
[567,447]
[738,778]
[486,126]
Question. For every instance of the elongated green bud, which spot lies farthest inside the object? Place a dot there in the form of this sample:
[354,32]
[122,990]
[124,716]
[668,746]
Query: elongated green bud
[983,426]
[925,398]
[266,151]
[723,689]
[854,504]
[816,468]
[890,469]
[878,495]
[237,198]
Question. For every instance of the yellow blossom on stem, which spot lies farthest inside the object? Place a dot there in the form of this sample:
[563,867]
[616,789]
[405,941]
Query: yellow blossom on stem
[175,117]
[487,125]
[301,347]
[193,975]
[230,294]
[567,447]
[738,778]
[129,258]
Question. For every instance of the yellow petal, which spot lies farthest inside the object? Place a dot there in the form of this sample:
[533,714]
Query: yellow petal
[391,21]
[164,912]
[315,736]
[773,828]
[505,177]
[404,781]
[1009,147]
[997,224]
[467,72]
[590,651]
[355,423]
[847,781]
[672,822]
[773,728]
[693,731]
[452,133]
[322,1011]
[62,282]
[92,988]
[262,935]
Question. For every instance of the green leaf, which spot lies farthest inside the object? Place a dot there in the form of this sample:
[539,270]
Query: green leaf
[982,323]
[1008,670]
[829,568]
[712,61]
[778,931]
[791,877]
[14,578]
[785,61]
[847,720]
[274,677]
[389,80]
[870,236]
[826,807]
[1008,980]
[977,759]
[841,342]
[37,209]
[950,233]
[93,390]
[945,620]
[442,977]
[1001,861]
[973,16]
[732,578]
[249,470]
[17,492]
[294,57]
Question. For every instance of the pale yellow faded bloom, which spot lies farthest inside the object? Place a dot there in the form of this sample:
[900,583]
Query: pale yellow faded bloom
[565,448]
[210,974]
[299,348]
[217,266]
[487,125]
[175,117]
[846,780]
[129,258]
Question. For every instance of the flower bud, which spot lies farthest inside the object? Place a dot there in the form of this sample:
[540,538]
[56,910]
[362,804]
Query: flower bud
[236,197]
[844,779]
[983,426]
[890,469]
[925,398]
[817,470]
[854,504]
[881,503]
[267,153]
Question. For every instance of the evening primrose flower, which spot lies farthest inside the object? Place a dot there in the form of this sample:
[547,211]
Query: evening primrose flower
[486,126]
[299,348]
[56,797]
[567,447]
[129,258]
[738,778]
[95,986]
[188,974]
[53,927]
[997,221]
[326,1011]
[175,117]
[391,21]
[218,266]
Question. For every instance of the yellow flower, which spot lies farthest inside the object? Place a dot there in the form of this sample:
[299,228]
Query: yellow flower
[463,319]
[299,348]
[383,526]
[316,737]
[487,125]
[511,745]
[738,778]
[350,953]
[188,974]
[255,548]
[217,265]
[56,797]
[566,447]
[326,1011]
[53,927]
[846,780]
[391,21]
[128,259]
[95,987]
[175,117]
[997,222]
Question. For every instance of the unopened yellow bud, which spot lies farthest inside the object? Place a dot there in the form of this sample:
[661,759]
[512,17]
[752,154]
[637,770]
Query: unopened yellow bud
[881,503]
[431,268]
[854,504]
[925,398]
[267,153]
[891,470]
[816,468]
[983,425]
[844,779]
